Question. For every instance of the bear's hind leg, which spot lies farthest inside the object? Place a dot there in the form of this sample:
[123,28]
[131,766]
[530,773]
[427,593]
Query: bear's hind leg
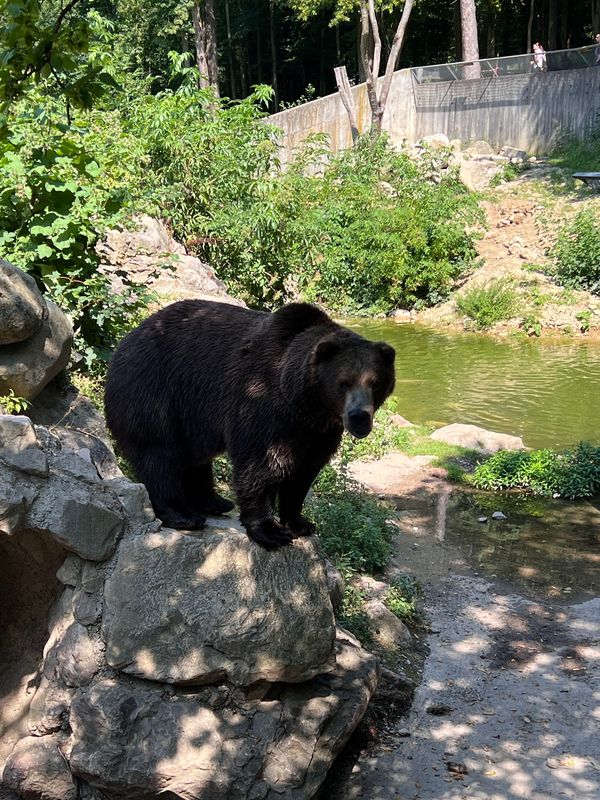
[161,472]
[200,494]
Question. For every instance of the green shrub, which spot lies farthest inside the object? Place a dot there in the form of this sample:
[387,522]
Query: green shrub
[486,305]
[402,597]
[12,404]
[572,473]
[352,524]
[576,253]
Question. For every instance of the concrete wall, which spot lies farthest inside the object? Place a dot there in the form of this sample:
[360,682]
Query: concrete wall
[526,111]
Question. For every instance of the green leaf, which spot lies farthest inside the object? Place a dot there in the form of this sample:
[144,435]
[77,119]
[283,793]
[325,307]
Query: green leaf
[44,251]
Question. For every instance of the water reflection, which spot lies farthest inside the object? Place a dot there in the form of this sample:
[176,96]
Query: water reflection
[548,548]
[547,392]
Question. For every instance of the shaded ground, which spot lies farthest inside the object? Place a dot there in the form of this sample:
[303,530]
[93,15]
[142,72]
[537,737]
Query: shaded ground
[509,703]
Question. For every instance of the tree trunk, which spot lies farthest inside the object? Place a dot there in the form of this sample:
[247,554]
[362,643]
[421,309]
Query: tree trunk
[273,54]
[200,41]
[530,26]
[457,33]
[211,45]
[229,52]
[470,44]
[595,17]
[343,84]
[552,25]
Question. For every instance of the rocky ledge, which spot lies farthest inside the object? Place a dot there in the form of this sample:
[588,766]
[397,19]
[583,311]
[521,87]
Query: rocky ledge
[140,661]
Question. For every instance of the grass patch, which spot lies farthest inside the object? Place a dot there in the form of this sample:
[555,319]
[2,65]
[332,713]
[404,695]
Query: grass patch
[572,474]
[577,156]
[486,305]
[402,598]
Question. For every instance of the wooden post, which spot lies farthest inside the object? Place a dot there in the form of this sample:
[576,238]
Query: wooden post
[343,84]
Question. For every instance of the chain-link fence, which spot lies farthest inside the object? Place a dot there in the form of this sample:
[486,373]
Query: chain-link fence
[491,68]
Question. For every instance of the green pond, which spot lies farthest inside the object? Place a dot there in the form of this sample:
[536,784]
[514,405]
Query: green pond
[546,391]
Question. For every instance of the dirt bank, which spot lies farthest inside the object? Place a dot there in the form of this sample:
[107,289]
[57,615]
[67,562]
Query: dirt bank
[523,218]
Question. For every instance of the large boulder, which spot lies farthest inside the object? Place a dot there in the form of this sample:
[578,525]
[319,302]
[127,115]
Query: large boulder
[135,740]
[22,307]
[477,174]
[99,709]
[27,366]
[258,616]
[148,255]
[68,502]
[475,438]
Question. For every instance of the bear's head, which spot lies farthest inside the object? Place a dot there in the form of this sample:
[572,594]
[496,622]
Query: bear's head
[355,377]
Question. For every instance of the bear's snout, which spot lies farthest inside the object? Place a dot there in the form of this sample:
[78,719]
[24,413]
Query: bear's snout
[358,412]
[359,423]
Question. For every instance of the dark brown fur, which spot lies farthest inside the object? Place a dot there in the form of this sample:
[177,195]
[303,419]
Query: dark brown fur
[273,391]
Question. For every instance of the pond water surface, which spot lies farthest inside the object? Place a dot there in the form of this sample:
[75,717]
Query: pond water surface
[546,391]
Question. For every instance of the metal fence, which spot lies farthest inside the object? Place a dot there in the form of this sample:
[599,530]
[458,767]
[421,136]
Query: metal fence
[491,68]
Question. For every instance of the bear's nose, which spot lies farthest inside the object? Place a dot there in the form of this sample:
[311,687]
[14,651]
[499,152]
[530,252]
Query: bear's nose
[359,422]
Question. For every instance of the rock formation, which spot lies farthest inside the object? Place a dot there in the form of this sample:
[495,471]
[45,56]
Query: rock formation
[150,256]
[35,335]
[141,662]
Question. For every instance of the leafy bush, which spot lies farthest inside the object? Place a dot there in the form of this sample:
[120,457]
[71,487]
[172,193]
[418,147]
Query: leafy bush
[12,404]
[572,473]
[486,305]
[352,524]
[402,597]
[576,253]
[367,229]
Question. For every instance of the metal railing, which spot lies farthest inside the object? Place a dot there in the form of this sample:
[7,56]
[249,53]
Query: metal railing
[528,63]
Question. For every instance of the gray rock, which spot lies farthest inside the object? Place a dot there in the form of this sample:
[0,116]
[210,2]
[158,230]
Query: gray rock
[387,629]
[22,307]
[70,572]
[186,609]
[477,175]
[15,497]
[49,710]
[26,367]
[134,499]
[92,577]
[86,608]
[77,656]
[37,770]
[19,447]
[476,438]
[499,515]
[84,519]
[437,140]
[150,256]
[481,148]
[131,739]
[513,152]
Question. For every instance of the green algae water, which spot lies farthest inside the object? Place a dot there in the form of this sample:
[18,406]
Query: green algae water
[546,391]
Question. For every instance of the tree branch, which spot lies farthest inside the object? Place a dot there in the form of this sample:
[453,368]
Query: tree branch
[395,52]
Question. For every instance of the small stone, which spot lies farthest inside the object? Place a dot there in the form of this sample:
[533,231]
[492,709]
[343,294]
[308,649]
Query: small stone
[69,573]
[499,515]
[482,519]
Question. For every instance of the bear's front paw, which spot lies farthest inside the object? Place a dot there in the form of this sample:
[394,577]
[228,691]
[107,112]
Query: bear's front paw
[182,522]
[300,526]
[268,533]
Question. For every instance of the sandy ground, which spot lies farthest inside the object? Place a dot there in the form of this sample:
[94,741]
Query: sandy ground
[509,703]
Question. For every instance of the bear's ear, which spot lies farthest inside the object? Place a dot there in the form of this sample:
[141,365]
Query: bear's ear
[387,353]
[326,348]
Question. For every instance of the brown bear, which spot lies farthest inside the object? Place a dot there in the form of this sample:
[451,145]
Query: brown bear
[273,391]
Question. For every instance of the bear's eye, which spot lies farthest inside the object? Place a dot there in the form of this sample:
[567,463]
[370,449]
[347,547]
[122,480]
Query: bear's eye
[344,385]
